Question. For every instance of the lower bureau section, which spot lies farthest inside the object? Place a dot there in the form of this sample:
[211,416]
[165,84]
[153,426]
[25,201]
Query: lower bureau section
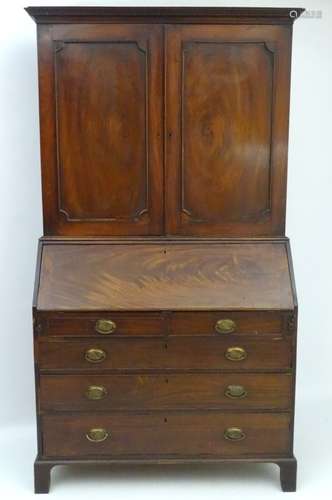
[186,434]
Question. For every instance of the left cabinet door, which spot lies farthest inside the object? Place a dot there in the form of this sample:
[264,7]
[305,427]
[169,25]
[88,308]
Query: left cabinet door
[101,129]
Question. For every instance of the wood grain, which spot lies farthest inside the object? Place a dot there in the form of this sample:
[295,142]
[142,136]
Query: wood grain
[101,129]
[181,434]
[227,137]
[102,133]
[226,124]
[186,353]
[143,324]
[161,128]
[173,277]
[170,391]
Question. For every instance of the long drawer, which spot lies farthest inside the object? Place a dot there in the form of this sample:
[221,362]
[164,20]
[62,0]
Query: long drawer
[190,434]
[173,391]
[198,353]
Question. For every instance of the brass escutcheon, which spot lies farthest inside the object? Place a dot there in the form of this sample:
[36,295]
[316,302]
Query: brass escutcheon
[97,435]
[235,392]
[105,326]
[225,326]
[95,355]
[96,392]
[234,434]
[236,354]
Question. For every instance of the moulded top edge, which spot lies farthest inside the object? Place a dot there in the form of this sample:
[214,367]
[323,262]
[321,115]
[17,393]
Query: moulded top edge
[164,14]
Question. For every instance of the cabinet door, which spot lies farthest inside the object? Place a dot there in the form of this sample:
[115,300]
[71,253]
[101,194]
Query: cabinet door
[101,123]
[227,98]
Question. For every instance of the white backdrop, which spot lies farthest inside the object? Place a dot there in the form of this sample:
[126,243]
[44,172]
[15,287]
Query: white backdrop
[308,226]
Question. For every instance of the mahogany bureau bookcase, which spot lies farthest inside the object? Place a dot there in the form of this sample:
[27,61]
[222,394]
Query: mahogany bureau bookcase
[164,312]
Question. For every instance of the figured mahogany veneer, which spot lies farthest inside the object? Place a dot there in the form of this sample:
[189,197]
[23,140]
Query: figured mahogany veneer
[165,277]
[165,311]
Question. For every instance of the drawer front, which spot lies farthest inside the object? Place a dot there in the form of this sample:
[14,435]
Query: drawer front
[196,353]
[228,323]
[195,434]
[178,323]
[102,324]
[159,392]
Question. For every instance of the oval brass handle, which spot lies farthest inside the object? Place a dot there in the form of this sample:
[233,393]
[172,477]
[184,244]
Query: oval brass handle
[225,326]
[235,392]
[236,354]
[95,355]
[105,326]
[97,435]
[234,434]
[96,392]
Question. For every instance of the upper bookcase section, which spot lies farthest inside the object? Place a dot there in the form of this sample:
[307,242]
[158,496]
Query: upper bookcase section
[164,121]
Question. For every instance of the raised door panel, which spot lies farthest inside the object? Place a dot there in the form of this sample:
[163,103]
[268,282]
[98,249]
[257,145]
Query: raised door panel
[227,129]
[105,174]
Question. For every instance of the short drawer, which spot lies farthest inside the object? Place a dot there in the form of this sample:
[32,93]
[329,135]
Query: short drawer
[191,434]
[159,392]
[102,324]
[228,323]
[196,353]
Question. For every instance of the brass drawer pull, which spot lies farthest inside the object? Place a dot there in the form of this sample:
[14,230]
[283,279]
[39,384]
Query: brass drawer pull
[225,326]
[235,392]
[105,326]
[97,435]
[95,355]
[236,354]
[96,392]
[234,434]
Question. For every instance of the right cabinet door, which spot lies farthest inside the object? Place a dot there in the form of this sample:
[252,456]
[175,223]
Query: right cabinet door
[227,104]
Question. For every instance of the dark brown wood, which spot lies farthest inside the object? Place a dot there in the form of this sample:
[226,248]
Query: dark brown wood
[83,324]
[193,461]
[176,277]
[198,434]
[164,161]
[123,193]
[176,353]
[42,472]
[288,475]
[292,327]
[225,176]
[238,15]
[101,176]
[245,323]
[165,392]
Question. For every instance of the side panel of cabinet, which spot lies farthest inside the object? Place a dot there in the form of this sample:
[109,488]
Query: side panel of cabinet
[101,129]
[227,103]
